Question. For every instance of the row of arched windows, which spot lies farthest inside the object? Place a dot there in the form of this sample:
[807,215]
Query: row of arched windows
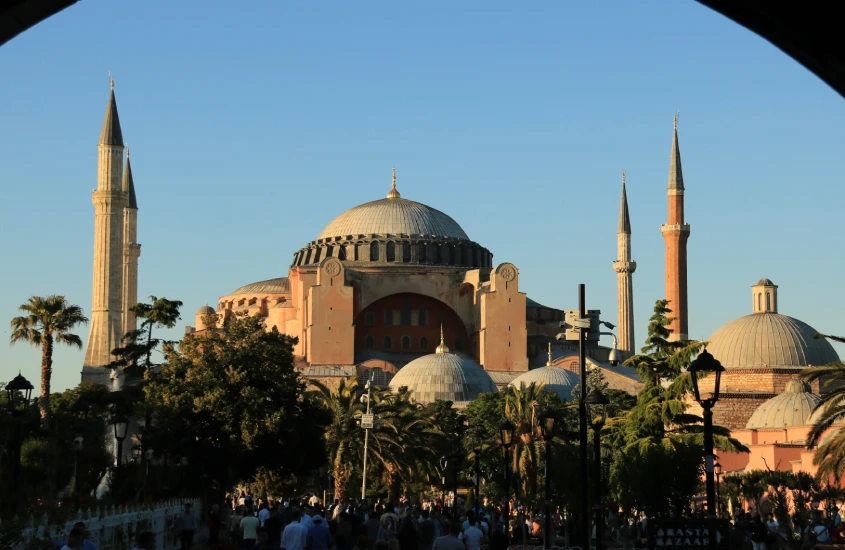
[760,301]
[404,343]
[403,316]
[468,255]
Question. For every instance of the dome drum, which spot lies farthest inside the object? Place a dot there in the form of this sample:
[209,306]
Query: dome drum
[392,250]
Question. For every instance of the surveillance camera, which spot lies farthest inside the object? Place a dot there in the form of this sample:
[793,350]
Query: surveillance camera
[613,358]
[560,336]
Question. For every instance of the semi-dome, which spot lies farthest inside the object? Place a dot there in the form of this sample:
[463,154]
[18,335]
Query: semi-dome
[793,407]
[559,380]
[768,339]
[280,285]
[444,375]
[205,310]
[393,216]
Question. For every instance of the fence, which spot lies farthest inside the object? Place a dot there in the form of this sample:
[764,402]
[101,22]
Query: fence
[114,528]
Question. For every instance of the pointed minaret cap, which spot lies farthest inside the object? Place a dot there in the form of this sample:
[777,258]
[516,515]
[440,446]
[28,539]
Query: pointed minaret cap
[394,193]
[676,175]
[624,218]
[549,362]
[442,348]
[111,134]
[129,183]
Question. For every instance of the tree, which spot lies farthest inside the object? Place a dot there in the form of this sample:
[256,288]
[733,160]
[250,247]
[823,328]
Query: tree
[830,456]
[139,344]
[658,439]
[231,402]
[47,319]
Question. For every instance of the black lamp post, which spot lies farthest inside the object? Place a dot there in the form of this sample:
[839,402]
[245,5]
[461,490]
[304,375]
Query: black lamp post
[81,408]
[456,462]
[506,434]
[120,424]
[443,464]
[706,364]
[717,471]
[18,396]
[597,406]
[477,475]
[547,427]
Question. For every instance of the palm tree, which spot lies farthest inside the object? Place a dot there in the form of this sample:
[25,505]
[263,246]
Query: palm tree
[830,456]
[47,319]
[528,447]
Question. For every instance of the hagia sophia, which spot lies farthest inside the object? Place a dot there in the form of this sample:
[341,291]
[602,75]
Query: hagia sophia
[396,291]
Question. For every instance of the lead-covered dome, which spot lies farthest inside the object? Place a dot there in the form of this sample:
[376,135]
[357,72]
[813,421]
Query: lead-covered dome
[445,376]
[793,407]
[768,339]
[561,381]
[395,216]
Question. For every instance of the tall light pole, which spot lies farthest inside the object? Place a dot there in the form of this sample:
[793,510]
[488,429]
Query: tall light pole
[120,424]
[706,364]
[598,404]
[367,422]
[717,470]
[506,435]
[443,464]
[18,397]
[477,476]
[547,427]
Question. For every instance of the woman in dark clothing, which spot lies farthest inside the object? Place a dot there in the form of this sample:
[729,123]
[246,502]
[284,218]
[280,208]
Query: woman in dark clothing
[407,534]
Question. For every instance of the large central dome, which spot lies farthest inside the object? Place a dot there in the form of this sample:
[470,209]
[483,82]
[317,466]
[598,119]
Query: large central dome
[393,216]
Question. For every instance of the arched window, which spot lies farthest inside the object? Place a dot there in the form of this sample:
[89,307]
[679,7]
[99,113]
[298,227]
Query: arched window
[768,301]
[759,301]
[373,252]
[406,342]
[451,255]
[370,342]
[341,253]
[317,255]
[329,251]
[421,253]
[379,377]
[423,342]
[444,254]
[423,317]
[405,314]
[370,319]
[388,316]
[388,342]
[391,252]
[406,252]
[308,257]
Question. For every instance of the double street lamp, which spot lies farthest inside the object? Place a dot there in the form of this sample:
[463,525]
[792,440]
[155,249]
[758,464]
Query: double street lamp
[506,431]
[18,396]
[547,427]
[597,407]
[717,470]
[443,464]
[120,424]
[706,364]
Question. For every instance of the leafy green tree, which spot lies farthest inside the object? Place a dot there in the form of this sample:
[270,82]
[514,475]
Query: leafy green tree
[830,456]
[596,380]
[47,320]
[138,345]
[658,438]
[231,402]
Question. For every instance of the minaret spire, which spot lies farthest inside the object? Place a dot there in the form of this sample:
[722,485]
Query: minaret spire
[624,268]
[131,249]
[110,200]
[549,362]
[394,193]
[676,233]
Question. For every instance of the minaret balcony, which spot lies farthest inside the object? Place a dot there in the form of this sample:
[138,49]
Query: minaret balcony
[675,228]
[624,267]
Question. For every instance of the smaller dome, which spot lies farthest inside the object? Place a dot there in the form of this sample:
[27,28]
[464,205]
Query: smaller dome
[445,376]
[793,407]
[765,282]
[559,380]
[205,310]
[280,285]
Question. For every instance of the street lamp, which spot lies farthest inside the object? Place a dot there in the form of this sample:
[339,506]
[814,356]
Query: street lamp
[18,396]
[506,434]
[443,464]
[597,406]
[547,427]
[366,422]
[120,424]
[477,474]
[706,364]
[717,471]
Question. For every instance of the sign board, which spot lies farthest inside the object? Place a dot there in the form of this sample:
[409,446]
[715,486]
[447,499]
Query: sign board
[688,534]
[367,420]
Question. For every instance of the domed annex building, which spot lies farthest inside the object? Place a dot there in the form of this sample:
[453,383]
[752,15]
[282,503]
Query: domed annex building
[369,296]
[762,353]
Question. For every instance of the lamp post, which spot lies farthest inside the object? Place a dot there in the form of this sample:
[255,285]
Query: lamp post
[366,423]
[506,434]
[18,396]
[120,424]
[443,464]
[706,364]
[79,407]
[547,427]
[477,475]
[456,462]
[597,406]
[717,471]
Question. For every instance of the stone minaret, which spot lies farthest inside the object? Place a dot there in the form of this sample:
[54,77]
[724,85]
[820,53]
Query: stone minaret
[109,200]
[624,268]
[131,249]
[675,233]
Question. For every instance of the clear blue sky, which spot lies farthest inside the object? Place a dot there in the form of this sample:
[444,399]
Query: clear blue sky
[251,129]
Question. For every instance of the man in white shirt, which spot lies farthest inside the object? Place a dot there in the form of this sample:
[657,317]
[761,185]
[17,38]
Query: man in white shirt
[472,535]
[293,537]
[263,513]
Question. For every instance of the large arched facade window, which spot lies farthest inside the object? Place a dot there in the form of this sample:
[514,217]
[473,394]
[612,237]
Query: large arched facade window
[423,343]
[421,253]
[388,342]
[374,252]
[768,301]
[406,252]
[406,343]
[391,252]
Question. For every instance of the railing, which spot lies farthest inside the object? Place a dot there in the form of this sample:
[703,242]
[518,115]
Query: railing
[115,528]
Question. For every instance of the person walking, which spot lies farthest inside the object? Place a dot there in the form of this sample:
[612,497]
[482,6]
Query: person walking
[249,530]
[319,537]
[187,527]
[294,535]
[450,541]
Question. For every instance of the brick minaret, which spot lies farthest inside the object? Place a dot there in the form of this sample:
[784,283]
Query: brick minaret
[624,268]
[675,233]
[131,249]
[109,202]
